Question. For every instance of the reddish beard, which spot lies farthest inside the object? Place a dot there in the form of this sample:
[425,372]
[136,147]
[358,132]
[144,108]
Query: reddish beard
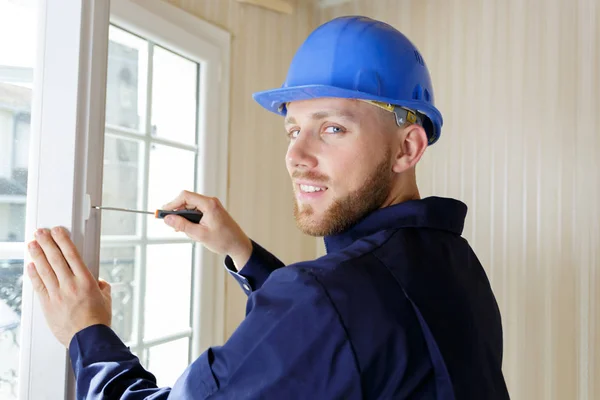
[346,211]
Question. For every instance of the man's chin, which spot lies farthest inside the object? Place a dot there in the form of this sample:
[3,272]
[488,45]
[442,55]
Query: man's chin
[311,228]
[308,221]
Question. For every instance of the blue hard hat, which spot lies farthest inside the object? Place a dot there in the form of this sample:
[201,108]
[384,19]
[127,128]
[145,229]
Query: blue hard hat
[358,58]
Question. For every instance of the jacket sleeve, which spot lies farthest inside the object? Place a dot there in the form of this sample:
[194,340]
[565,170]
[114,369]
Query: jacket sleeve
[291,345]
[256,271]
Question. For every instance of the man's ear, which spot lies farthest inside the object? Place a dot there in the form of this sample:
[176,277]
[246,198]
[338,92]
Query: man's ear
[412,145]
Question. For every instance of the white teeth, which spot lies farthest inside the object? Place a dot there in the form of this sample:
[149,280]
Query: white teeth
[310,189]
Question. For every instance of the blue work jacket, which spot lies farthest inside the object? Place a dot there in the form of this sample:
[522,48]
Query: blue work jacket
[399,308]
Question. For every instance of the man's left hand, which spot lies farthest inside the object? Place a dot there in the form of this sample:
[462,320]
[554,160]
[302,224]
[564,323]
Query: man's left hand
[72,299]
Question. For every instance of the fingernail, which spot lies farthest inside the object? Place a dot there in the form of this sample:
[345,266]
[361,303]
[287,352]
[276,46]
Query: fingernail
[33,247]
[38,233]
[56,230]
[169,220]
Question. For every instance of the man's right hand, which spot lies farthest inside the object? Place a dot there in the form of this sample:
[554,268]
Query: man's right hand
[217,230]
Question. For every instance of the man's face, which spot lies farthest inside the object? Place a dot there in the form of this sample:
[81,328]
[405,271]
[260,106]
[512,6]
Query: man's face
[340,161]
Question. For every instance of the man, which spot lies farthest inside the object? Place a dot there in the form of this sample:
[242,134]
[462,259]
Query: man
[399,308]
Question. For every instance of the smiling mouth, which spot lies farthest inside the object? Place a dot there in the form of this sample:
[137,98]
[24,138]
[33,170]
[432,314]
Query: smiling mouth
[311,189]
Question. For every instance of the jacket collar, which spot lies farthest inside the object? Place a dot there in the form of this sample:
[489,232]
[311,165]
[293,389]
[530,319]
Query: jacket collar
[432,212]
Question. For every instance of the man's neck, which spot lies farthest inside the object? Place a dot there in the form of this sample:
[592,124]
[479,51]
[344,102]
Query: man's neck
[401,198]
[404,190]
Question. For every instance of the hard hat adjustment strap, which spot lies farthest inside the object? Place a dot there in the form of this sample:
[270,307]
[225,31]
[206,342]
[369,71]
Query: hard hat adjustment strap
[404,115]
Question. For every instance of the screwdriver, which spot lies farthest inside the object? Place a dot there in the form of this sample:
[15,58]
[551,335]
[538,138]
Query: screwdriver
[191,215]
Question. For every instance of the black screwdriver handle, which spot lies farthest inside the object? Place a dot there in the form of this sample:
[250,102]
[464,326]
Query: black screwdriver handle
[191,215]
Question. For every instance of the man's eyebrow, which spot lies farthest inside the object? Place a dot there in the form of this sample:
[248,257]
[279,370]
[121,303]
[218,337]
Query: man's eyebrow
[324,114]
[289,120]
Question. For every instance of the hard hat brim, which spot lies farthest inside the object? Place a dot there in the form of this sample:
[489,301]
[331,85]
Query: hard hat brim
[273,99]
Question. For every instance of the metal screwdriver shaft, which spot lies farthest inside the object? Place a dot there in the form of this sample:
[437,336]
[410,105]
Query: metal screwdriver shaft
[191,215]
[123,209]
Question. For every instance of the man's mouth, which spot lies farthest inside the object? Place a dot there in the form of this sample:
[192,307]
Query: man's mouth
[311,188]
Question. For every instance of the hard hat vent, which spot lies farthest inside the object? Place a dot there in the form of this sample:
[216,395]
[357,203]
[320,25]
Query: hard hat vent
[418,93]
[419,58]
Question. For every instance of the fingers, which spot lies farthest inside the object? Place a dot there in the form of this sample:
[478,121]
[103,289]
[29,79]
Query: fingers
[178,202]
[195,200]
[36,280]
[43,269]
[56,259]
[180,224]
[69,252]
[53,255]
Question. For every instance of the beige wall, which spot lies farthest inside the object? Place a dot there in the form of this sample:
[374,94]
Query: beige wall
[260,197]
[518,83]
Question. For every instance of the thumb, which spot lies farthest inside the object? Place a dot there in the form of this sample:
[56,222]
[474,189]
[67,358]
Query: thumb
[181,224]
[104,286]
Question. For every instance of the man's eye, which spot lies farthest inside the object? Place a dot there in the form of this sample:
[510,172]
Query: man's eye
[293,134]
[334,129]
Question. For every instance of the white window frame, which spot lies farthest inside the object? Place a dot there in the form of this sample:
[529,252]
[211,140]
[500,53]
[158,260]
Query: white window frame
[143,21]
[65,167]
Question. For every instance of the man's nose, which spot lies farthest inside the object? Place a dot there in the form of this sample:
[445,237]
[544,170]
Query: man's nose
[301,152]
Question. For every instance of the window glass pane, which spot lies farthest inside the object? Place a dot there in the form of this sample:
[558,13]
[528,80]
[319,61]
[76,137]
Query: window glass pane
[168,289]
[118,267]
[152,281]
[168,361]
[174,88]
[18,34]
[126,80]
[15,112]
[171,171]
[11,280]
[122,185]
